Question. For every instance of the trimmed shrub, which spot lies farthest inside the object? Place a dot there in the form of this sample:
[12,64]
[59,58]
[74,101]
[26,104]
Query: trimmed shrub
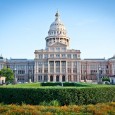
[69,84]
[106,79]
[64,96]
[51,84]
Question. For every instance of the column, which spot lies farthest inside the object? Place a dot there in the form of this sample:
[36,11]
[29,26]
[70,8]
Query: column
[42,78]
[54,78]
[60,68]
[66,77]
[54,68]
[48,78]
[42,67]
[48,72]
[48,68]
[79,71]
[60,78]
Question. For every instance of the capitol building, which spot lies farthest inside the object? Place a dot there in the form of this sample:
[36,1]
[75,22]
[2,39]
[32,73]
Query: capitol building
[57,62]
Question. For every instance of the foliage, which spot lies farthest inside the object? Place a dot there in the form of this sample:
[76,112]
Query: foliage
[69,84]
[63,95]
[51,84]
[98,109]
[55,85]
[51,103]
[105,79]
[8,73]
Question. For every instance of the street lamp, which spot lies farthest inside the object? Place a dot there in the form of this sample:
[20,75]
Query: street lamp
[99,80]
[29,76]
[15,78]
[85,77]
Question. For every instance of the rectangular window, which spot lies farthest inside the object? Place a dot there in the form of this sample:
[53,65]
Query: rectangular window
[57,70]
[63,55]
[57,55]
[63,63]
[74,56]
[40,56]
[57,63]
[51,55]
[69,55]
[45,55]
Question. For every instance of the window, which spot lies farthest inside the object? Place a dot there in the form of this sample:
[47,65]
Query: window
[51,70]
[51,63]
[58,49]
[45,63]
[39,78]
[74,56]
[74,70]
[63,63]
[21,71]
[40,56]
[40,70]
[57,63]
[63,70]
[69,70]
[63,49]
[74,63]
[45,55]
[57,55]
[69,63]
[51,55]
[52,49]
[40,63]
[63,55]
[57,70]
[69,55]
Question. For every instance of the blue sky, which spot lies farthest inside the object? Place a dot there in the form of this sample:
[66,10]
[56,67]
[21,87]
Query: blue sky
[90,24]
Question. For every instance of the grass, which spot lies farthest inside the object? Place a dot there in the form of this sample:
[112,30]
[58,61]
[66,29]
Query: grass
[38,85]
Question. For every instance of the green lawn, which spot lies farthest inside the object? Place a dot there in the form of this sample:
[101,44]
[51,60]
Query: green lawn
[38,85]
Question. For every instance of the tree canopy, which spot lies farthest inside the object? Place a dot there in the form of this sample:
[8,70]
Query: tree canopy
[8,73]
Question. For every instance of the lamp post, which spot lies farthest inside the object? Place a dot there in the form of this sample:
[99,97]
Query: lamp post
[29,76]
[15,78]
[85,77]
[99,80]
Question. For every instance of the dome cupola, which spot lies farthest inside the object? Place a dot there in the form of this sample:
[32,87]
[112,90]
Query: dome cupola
[57,32]
[57,28]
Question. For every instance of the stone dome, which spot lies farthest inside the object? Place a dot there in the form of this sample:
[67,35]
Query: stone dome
[57,27]
[57,33]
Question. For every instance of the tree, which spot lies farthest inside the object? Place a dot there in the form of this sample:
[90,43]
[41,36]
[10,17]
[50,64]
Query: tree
[8,73]
[106,78]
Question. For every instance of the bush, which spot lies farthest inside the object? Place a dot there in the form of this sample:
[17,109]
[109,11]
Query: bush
[69,84]
[51,84]
[64,96]
[105,79]
[61,84]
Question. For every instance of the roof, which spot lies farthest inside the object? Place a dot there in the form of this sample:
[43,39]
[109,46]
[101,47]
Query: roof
[95,59]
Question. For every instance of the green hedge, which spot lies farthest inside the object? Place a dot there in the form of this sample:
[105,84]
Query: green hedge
[64,96]
[51,84]
[61,84]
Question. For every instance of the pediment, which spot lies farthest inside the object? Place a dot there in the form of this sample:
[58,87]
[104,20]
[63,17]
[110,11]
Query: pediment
[58,44]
